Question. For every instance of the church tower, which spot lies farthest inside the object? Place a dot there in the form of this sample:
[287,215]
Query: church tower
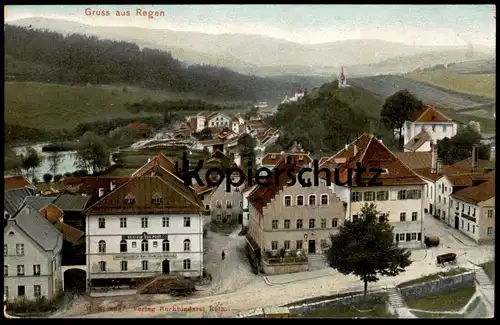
[342,79]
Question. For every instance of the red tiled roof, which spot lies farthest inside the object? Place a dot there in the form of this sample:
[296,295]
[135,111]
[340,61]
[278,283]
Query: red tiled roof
[274,158]
[262,195]
[158,160]
[416,160]
[90,185]
[478,193]
[429,114]
[17,181]
[376,155]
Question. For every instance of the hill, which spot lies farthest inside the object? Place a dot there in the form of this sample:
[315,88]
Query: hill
[474,77]
[243,52]
[35,55]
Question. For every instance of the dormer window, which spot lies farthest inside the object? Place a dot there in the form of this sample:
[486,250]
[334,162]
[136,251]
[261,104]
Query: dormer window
[129,199]
[156,198]
[301,157]
[273,156]
[385,171]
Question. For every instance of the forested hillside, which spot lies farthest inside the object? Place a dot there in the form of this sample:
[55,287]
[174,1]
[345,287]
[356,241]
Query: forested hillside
[36,55]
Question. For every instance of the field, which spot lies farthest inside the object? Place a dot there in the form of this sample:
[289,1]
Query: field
[55,106]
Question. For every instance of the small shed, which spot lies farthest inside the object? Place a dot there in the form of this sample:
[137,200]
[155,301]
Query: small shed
[276,312]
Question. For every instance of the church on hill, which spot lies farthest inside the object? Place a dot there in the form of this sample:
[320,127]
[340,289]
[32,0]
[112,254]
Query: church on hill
[342,79]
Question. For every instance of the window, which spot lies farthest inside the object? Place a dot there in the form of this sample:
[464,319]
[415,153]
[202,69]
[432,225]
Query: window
[462,225]
[402,195]
[299,223]
[20,270]
[144,246]
[124,265]
[101,222]
[288,201]
[369,196]
[463,207]
[287,245]
[444,200]
[20,291]
[229,204]
[439,198]
[324,199]
[473,212]
[165,245]
[144,222]
[219,218]
[20,249]
[123,222]
[187,221]
[186,264]
[36,269]
[298,244]
[102,266]
[401,237]
[156,199]
[129,199]
[274,245]
[311,223]
[408,236]
[5,250]
[473,229]
[287,224]
[312,199]
[323,223]
[490,213]
[187,245]
[102,246]
[5,270]
[419,236]
[335,222]
[468,211]
[491,231]
[468,226]
[144,265]
[356,197]
[218,204]
[134,244]
[382,195]
[402,216]
[275,224]
[414,195]
[444,128]
[355,218]
[414,216]
[300,200]
[165,222]
[413,236]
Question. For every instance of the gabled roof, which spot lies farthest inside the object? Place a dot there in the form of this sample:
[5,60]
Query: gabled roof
[416,160]
[175,198]
[38,228]
[477,194]
[429,114]
[427,173]
[262,195]
[71,202]
[461,180]
[348,151]
[214,114]
[70,234]
[159,160]
[13,199]
[90,185]
[218,156]
[376,155]
[39,202]
[15,182]
[418,141]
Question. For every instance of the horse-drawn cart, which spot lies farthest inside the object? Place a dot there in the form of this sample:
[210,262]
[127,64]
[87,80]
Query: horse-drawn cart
[450,258]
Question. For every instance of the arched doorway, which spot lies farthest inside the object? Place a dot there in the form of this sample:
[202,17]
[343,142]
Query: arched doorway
[75,280]
[165,267]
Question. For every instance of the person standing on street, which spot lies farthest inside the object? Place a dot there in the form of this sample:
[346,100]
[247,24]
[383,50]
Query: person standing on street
[223,255]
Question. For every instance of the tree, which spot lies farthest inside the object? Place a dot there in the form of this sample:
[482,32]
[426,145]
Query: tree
[57,178]
[252,112]
[31,161]
[92,153]
[47,178]
[247,150]
[459,147]
[366,248]
[55,158]
[397,109]
[273,148]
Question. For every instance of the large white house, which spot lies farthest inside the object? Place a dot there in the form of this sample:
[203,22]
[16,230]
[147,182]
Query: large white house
[150,225]
[32,256]
[398,196]
[425,127]
[218,120]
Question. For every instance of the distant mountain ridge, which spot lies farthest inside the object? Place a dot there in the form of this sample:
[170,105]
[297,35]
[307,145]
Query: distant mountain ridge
[244,52]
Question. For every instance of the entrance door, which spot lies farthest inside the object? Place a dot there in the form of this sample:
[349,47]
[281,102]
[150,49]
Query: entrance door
[165,267]
[240,219]
[312,246]
[430,209]
[457,222]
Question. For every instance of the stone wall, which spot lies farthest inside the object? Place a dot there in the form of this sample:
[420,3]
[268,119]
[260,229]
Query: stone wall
[280,268]
[443,284]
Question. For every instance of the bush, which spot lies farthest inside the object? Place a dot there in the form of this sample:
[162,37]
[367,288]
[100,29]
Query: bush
[57,177]
[40,305]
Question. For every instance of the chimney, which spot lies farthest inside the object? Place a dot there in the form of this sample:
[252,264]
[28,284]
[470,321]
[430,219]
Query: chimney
[101,192]
[112,185]
[433,157]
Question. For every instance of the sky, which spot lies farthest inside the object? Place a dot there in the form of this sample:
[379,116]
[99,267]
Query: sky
[307,24]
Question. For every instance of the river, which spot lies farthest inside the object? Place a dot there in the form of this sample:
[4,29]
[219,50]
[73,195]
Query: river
[67,164]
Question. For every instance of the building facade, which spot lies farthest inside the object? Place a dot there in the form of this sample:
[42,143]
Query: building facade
[227,207]
[32,256]
[149,226]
